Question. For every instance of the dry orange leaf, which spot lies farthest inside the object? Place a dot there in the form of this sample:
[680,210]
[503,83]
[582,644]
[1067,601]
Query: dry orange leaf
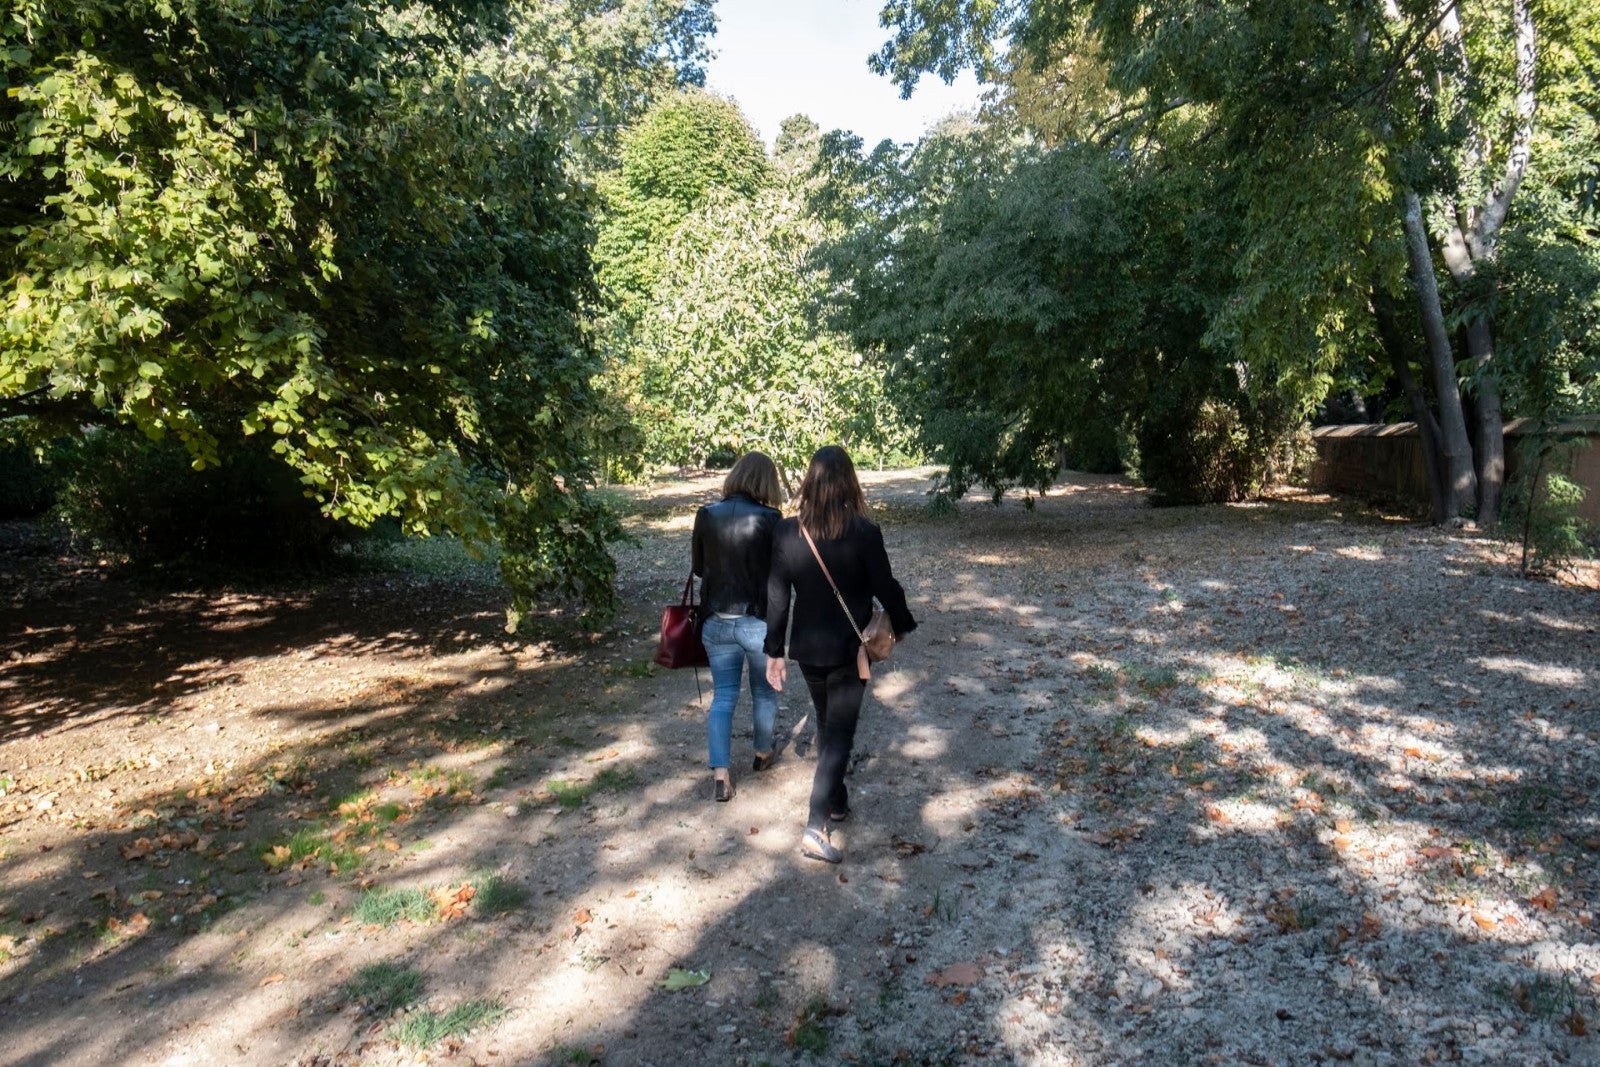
[271,979]
[452,900]
[1545,898]
[962,974]
[139,849]
[1484,921]
[582,916]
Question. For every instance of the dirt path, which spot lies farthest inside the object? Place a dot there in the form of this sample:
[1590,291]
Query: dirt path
[1278,783]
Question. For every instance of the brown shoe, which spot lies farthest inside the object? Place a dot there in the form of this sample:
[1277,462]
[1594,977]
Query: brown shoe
[722,789]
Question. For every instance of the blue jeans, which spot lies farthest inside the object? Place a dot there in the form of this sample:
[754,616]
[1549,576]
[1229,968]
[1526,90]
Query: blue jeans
[731,644]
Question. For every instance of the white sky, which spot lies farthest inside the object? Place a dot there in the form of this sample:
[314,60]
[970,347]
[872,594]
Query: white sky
[780,57]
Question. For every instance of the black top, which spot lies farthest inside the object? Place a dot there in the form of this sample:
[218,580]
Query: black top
[859,564]
[732,551]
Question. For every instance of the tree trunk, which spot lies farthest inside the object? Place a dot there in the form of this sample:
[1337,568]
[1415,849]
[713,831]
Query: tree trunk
[1472,239]
[1427,427]
[1454,449]
[1491,449]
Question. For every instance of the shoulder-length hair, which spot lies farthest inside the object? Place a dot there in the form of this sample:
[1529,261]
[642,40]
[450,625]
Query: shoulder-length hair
[756,476]
[830,494]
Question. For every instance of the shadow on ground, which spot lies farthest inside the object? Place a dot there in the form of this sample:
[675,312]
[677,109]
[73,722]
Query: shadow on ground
[1278,783]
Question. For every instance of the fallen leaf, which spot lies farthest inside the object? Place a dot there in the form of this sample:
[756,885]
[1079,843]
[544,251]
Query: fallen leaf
[271,979]
[139,849]
[582,917]
[1545,898]
[959,974]
[1484,921]
[678,978]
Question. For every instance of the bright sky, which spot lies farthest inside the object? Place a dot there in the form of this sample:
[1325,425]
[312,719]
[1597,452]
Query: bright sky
[780,57]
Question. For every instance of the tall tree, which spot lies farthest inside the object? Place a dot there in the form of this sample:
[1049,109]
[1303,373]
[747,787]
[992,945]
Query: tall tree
[350,229]
[1344,125]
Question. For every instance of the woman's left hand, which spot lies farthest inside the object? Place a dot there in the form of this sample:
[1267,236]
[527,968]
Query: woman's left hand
[777,672]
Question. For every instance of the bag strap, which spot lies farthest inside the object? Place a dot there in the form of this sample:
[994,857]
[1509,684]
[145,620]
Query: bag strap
[688,591]
[837,595]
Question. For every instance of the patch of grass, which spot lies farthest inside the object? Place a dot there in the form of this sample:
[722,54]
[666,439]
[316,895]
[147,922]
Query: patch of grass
[808,1034]
[498,777]
[1529,810]
[310,844]
[496,896]
[1546,998]
[1103,674]
[317,899]
[574,794]
[941,908]
[427,557]
[1153,679]
[386,907]
[573,1054]
[385,988]
[425,1028]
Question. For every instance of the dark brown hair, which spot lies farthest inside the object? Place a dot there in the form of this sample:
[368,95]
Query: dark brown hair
[756,476]
[830,494]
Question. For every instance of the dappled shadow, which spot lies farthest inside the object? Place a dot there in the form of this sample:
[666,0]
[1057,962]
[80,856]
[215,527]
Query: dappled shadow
[1238,785]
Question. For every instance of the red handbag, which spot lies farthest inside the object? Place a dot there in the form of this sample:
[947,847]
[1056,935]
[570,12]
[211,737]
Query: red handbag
[679,644]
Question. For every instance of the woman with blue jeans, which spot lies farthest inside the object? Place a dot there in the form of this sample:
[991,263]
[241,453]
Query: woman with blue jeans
[732,553]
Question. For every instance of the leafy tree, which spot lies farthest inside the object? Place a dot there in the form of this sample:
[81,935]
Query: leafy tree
[687,147]
[1365,150]
[351,230]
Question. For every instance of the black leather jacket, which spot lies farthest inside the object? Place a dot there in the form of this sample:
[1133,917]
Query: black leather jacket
[732,551]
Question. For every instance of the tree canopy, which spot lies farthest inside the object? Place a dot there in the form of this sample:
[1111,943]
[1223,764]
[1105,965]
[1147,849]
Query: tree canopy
[1334,180]
[355,230]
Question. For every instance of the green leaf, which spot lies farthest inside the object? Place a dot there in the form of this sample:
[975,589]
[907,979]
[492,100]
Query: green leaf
[149,369]
[677,978]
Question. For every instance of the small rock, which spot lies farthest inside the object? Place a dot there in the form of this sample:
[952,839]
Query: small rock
[1411,905]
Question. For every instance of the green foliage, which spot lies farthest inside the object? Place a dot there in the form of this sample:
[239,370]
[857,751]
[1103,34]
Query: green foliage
[27,485]
[1541,513]
[685,149]
[1255,155]
[144,500]
[713,344]
[347,232]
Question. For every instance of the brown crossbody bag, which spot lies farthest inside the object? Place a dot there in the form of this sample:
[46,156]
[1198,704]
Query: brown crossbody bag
[877,637]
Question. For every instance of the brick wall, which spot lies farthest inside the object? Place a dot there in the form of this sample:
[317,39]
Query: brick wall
[1386,461]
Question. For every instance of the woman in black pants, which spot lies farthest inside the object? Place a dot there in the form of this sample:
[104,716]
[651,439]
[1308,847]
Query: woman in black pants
[824,642]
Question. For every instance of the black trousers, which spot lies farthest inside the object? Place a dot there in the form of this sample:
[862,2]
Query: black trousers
[836,693]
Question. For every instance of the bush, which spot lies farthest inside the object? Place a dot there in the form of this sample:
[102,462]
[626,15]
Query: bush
[1541,511]
[1199,456]
[27,484]
[143,500]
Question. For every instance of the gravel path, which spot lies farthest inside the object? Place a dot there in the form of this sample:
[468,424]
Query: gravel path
[1277,783]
